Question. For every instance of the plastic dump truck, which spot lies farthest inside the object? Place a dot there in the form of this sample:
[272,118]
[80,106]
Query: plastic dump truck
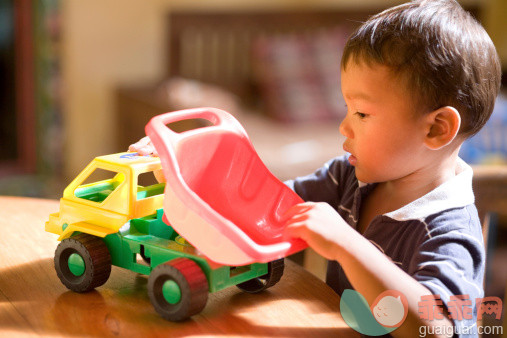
[108,216]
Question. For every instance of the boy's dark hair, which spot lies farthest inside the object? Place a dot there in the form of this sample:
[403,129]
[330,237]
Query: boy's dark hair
[443,53]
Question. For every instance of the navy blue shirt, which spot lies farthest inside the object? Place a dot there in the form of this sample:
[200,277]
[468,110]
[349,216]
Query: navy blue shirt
[436,239]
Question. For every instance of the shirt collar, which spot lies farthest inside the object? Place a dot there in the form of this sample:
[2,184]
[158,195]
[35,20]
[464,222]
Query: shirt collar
[454,193]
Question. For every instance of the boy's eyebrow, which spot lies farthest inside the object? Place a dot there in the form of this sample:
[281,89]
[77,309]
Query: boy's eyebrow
[358,95]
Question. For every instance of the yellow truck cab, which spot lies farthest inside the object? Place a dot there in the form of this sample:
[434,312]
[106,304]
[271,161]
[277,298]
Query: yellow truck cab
[103,207]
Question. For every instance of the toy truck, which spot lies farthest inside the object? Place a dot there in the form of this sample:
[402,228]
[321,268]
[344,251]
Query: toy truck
[218,195]
[116,221]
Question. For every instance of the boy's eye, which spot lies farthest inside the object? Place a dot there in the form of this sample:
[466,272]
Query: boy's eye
[361,115]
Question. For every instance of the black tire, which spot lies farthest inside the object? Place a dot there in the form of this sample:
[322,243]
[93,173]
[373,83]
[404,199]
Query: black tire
[95,258]
[275,273]
[192,284]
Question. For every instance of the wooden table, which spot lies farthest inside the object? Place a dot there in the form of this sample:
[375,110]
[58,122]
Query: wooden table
[34,302]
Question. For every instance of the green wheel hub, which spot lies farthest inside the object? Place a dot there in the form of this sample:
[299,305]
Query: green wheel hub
[76,264]
[171,292]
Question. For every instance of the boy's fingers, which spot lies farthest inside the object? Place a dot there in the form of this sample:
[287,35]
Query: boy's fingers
[295,230]
[147,150]
[297,218]
[140,144]
[144,141]
[141,151]
[297,209]
[143,147]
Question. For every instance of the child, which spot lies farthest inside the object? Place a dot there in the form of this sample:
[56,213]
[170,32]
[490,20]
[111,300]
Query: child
[398,212]
[418,79]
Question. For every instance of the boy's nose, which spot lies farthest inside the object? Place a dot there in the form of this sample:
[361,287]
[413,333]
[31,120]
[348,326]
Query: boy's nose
[345,128]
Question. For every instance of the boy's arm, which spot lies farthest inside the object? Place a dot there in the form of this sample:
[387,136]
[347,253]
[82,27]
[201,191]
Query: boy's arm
[363,262]
[369,271]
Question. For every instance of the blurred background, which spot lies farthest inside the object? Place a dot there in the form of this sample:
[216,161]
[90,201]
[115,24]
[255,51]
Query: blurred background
[80,79]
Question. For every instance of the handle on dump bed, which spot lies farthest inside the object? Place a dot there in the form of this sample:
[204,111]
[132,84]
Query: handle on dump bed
[220,119]
[166,141]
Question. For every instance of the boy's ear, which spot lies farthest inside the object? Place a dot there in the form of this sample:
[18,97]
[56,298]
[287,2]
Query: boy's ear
[443,126]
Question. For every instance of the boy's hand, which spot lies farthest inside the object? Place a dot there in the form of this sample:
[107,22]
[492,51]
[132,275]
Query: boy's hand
[143,147]
[319,225]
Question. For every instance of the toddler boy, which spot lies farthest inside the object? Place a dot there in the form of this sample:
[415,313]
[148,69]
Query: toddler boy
[398,212]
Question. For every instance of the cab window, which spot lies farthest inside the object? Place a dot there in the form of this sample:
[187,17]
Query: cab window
[99,185]
[147,186]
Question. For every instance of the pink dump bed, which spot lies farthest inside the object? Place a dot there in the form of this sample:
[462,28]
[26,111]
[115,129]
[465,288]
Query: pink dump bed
[220,196]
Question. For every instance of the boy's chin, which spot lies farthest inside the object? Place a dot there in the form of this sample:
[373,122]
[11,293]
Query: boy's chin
[362,176]
[366,178]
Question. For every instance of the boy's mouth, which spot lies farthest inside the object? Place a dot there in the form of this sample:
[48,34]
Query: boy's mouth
[352,160]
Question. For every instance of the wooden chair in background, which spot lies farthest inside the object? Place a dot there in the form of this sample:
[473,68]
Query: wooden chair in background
[490,189]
